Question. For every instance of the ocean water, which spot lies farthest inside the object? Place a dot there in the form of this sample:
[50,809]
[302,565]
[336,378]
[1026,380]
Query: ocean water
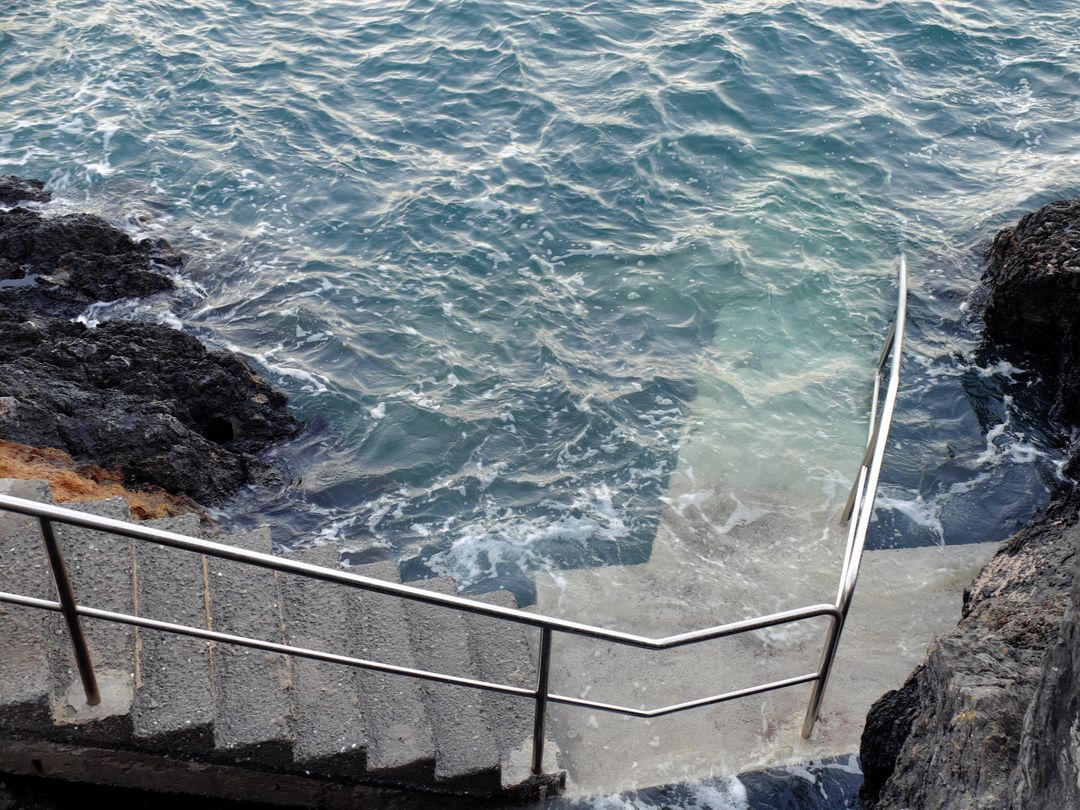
[830,784]
[493,251]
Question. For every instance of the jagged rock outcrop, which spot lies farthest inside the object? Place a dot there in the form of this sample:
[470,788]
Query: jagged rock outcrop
[144,399]
[991,720]
[81,259]
[14,190]
[1033,279]
[965,707]
[1046,773]
[887,728]
[148,400]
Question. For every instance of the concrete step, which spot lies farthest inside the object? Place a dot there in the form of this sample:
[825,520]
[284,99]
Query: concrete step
[24,569]
[251,687]
[467,756]
[329,729]
[174,703]
[100,567]
[503,654]
[400,747]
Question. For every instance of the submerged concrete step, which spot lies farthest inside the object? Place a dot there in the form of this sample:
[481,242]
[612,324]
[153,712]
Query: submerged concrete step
[503,655]
[174,704]
[399,738]
[100,567]
[329,729]
[467,757]
[251,687]
[24,632]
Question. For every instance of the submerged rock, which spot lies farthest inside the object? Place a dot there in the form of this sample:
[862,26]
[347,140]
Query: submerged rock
[144,399]
[990,719]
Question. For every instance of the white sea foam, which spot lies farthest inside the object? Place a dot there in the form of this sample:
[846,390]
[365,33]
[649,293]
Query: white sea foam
[927,512]
[1002,444]
[101,167]
[1002,368]
[485,205]
[481,548]
[156,311]
[512,149]
[728,793]
[313,382]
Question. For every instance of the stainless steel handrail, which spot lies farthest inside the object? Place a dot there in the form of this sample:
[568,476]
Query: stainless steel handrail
[863,493]
[860,505]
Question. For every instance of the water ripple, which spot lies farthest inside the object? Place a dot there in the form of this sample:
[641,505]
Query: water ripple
[495,252]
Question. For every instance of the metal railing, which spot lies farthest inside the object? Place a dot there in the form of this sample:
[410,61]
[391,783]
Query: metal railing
[857,514]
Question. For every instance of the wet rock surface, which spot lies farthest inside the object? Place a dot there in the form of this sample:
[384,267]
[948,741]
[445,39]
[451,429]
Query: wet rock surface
[887,728]
[1033,308]
[76,259]
[145,399]
[14,189]
[990,720]
[968,702]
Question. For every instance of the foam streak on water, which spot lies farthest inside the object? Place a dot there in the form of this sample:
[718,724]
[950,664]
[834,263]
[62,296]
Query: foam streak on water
[495,252]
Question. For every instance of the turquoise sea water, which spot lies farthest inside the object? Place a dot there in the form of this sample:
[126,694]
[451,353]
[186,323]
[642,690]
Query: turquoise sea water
[500,253]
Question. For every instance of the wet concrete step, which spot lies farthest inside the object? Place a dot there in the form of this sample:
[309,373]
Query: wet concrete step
[100,567]
[174,704]
[400,747]
[24,569]
[251,687]
[503,654]
[467,756]
[329,728]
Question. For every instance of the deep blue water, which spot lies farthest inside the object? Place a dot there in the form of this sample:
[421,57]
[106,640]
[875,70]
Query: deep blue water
[493,250]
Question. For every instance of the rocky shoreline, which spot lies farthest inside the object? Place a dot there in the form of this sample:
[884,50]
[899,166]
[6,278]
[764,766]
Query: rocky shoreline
[146,404]
[992,717]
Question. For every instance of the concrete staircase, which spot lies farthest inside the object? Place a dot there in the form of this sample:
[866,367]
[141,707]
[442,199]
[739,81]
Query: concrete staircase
[243,720]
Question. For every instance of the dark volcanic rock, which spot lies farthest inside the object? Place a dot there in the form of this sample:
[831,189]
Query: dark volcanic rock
[29,238]
[14,189]
[971,695]
[145,399]
[1033,278]
[887,727]
[84,258]
[1046,774]
[10,270]
[991,719]
[141,398]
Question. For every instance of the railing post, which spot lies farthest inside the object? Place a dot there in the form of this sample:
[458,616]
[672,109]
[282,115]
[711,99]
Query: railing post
[543,673]
[71,615]
[828,655]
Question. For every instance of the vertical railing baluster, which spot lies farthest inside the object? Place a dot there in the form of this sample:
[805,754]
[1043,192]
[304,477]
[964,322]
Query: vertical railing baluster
[71,615]
[543,673]
[828,655]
